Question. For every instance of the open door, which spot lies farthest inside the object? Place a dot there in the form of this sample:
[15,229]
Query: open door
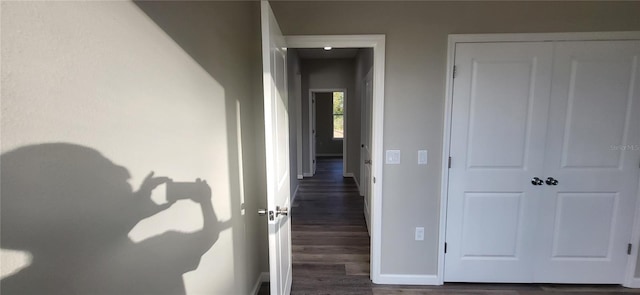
[276,122]
[365,150]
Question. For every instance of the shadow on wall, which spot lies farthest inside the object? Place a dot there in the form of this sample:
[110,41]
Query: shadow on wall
[72,209]
[223,37]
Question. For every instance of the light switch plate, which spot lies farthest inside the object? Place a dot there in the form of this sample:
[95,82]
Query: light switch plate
[422,157]
[419,234]
[392,157]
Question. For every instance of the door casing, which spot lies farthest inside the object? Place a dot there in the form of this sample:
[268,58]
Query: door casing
[629,280]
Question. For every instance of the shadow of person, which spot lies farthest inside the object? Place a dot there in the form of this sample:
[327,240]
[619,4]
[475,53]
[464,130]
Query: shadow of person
[72,209]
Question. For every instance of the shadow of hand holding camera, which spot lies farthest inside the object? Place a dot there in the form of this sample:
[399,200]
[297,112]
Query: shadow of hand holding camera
[72,209]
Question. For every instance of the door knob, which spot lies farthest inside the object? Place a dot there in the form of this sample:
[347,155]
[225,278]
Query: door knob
[282,211]
[551,181]
[367,161]
[536,181]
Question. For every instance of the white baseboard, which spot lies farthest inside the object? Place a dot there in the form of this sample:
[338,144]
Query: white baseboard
[263,277]
[300,176]
[358,186]
[348,174]
[391,279]
[635,283]
[307,174]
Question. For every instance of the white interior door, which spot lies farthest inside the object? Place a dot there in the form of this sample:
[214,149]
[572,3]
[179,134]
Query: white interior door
[576,126]
[314,134]
[366,103]
[277,151]
[500,105]
[593,153]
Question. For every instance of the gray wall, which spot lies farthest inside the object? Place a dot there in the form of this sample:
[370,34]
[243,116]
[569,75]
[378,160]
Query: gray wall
[416,44]
[325,144]
[324,74]
[133,88]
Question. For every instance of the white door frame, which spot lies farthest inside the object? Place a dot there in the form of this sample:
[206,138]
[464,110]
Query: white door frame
[377,42]
[629,280]
[312,123]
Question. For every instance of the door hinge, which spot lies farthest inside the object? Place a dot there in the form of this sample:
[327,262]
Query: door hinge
[314,161]
[374,180]
[629,246]
[455,71]
[445,248]
[449,162]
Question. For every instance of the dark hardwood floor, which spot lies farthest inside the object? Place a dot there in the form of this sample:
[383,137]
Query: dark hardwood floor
[331,247]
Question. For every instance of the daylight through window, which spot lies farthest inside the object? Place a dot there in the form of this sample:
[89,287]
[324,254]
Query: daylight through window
[338,115]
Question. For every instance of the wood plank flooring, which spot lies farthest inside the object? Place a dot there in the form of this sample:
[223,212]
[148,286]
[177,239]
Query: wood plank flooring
[331,247]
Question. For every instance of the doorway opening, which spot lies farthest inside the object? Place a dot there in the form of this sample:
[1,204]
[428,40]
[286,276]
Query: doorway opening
[280,78]
[327,127]
[332,91]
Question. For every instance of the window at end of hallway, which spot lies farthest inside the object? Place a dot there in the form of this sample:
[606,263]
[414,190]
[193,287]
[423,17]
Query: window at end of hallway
[338,115]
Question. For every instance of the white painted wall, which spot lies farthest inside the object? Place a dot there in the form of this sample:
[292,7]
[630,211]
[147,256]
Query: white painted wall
[416,45]
[178,94]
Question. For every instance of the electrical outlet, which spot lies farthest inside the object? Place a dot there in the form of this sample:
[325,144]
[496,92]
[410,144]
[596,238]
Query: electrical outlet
[419,233]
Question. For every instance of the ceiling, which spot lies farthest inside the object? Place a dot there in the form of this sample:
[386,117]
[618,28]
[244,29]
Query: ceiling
[320,53]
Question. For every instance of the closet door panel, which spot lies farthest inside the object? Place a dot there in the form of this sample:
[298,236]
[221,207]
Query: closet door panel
[500,105]
[592,152]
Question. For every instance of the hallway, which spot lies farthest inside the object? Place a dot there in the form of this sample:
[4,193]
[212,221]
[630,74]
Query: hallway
[329,234]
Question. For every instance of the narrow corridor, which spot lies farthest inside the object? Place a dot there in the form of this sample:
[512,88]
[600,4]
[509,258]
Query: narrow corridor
[329,234]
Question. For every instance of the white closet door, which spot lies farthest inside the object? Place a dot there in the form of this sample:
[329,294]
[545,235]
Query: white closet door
[500,107]
[592,151]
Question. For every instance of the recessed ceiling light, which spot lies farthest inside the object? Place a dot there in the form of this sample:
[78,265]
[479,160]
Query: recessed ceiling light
[328,48]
